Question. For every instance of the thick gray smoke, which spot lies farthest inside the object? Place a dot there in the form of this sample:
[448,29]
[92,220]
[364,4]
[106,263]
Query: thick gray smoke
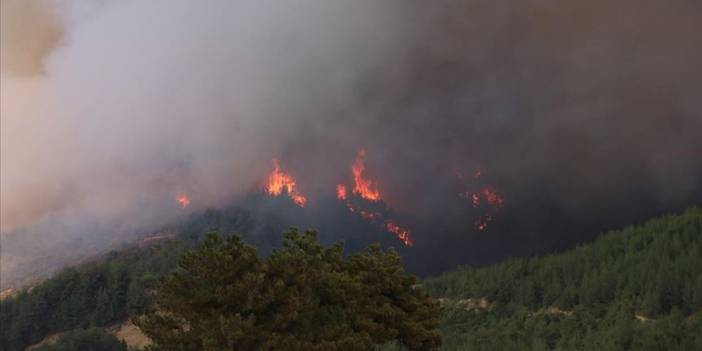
[141,101]
[578,111]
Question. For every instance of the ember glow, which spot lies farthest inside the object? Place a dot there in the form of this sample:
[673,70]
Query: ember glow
[482,223]
[279,181]
[363,187]
[183,200]
[341,192]
[475,200]
[487,200]
[370,216]
[401,233]
[493,197]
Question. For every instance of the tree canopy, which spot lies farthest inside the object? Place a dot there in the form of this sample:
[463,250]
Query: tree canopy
[300,297]
[639,288]
[92,339]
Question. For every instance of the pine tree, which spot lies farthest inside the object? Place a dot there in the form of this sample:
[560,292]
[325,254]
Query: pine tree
[137,300]
[301,297]
[104,310]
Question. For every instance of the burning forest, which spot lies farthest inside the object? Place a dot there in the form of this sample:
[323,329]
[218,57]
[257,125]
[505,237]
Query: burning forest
[465,133]
[385,140]
[487,200]
[365,194]
[282,183]
[366,202]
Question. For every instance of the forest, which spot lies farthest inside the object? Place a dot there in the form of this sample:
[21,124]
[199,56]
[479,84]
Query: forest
[639,288]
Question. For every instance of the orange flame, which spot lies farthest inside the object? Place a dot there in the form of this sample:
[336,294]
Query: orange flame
[183,200]
[341,192]
[401,233]
[279,181]
[365,188]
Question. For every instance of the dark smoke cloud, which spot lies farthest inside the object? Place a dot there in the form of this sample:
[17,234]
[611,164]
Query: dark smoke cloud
[585,114]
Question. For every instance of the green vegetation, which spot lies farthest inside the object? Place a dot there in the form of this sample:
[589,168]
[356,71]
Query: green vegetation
[639,289]
[85,339]
[635,289]
[108,290]
[301,297]
[95,294]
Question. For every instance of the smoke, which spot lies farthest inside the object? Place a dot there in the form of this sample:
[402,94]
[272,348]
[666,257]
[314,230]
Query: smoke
[140,101]
[580,112]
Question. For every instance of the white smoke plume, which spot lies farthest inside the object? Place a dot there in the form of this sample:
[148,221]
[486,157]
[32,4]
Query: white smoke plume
[131,102]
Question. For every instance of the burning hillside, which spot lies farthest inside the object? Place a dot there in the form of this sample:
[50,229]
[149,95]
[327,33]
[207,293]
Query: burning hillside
[559,115]
[487,200]
[363,187]
[365,194]
[282,183]
[366,201]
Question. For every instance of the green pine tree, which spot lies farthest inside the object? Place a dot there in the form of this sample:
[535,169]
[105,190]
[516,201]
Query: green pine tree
[301,297]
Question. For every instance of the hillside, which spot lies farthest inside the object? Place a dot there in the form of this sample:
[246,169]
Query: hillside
[637,288]
[112,287]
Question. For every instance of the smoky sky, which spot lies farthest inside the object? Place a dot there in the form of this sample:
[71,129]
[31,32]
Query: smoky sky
[584,114]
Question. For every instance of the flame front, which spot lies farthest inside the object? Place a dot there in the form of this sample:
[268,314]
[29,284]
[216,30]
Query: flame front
[279,181]
[364,188]
[401,233]
[183,200]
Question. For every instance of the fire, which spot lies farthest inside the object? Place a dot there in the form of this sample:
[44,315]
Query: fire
[183,200]
[365,188]
[475,200]
[493,197]
[370,216]
[494,202]
[341,192]
[401,233]
[488,200]
[482,223]
[279,181]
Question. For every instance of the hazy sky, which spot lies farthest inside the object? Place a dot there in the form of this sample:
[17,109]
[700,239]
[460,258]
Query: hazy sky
[580,110]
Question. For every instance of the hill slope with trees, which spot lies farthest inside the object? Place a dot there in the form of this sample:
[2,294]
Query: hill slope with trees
[302,296]
[639,288]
